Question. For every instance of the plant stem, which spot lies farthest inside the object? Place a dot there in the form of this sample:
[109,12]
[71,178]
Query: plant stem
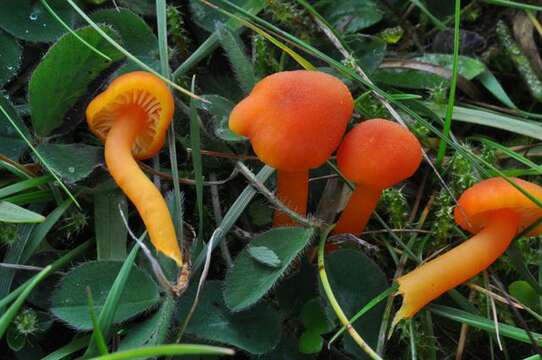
[333,301]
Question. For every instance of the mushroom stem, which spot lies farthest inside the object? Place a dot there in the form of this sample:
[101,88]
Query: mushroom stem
[293,191]
[355,216]
[140,190]
[430,280]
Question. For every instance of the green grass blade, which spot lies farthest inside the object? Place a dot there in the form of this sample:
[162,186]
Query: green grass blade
[38,155]
[111,234]
[512,154]
[68,349]
[12,311]
[514,4]
[162,350]
[105,319]
[453,84]
[195,143]
[11,213]
[493,119]
[233,214]
[99,337]
[32,197]
[24,185]
[41,231]
[479,322]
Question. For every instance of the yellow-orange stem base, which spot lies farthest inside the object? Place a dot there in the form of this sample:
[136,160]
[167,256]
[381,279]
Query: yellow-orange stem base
[293,191]
[358,211]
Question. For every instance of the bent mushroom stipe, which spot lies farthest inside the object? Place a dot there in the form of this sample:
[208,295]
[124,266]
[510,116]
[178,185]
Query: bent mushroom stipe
[294,120]
[495,211]
[132,117]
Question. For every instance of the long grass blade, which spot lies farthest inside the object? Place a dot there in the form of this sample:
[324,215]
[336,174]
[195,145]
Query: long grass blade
[162,350]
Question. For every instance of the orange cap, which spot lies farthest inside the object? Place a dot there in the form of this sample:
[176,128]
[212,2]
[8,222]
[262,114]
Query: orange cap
[294,119]
[476,204]
[136,89]
[379,153]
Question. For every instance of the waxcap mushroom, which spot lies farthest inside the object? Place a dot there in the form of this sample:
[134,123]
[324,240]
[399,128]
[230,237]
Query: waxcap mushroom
[136,89]
[294,119]
[476,203]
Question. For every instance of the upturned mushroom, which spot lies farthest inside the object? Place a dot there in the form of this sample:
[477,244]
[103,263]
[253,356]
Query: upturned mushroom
[132,117]
[294,120]
[495,211]
[375,155]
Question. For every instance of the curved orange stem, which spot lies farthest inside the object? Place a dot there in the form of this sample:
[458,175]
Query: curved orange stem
[358,211]
[293,191]
[430,280]
[140,190]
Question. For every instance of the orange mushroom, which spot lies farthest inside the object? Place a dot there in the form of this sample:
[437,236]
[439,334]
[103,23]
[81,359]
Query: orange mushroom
[294,120]
[495,211]
[376,154]
[132,117]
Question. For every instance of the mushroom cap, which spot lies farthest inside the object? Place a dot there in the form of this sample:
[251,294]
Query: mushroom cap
[134,91]
[294,119]
[478,201]
[379,153]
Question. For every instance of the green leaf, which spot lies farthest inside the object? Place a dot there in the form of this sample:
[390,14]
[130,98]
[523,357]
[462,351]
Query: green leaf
[219,108]
[69,300]
[11,144]
[236,53]
[152,331]
[63,76]
[206,17]
[492,119]
[111,233]
[12,213]
[248,280]
[310,342]
[350,16]
[525,293]
[368,52]
[10,58]
[355,280]
[468,67]
[264,256]
[314,317]
[29,20]
[72,162]
[137,36]
[256,330]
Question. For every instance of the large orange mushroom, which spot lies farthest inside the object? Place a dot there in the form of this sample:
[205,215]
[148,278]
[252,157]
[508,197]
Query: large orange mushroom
[132,117]
[495,211]
[294,120]
[375,155]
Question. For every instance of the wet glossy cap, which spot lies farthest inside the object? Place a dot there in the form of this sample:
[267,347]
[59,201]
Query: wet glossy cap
[138,91]
[294,119]
[477,202]
[379,153]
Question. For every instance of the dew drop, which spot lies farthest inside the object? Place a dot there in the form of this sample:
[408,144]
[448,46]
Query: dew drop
[27,31]
[33,17]
[71,169]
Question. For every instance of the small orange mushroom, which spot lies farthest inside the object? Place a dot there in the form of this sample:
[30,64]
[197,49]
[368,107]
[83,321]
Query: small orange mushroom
[376,154]
[495,211]
[294,120]
[132,117]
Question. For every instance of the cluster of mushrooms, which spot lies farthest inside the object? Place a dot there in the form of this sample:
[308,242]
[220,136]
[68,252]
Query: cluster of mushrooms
[132,116]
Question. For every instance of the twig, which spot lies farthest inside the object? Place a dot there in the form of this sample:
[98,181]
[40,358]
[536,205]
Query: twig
[25,267]
[156,268]
[224,155]
[218,232]
[185,181]
[249,175]
[217,211]
[463,334]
